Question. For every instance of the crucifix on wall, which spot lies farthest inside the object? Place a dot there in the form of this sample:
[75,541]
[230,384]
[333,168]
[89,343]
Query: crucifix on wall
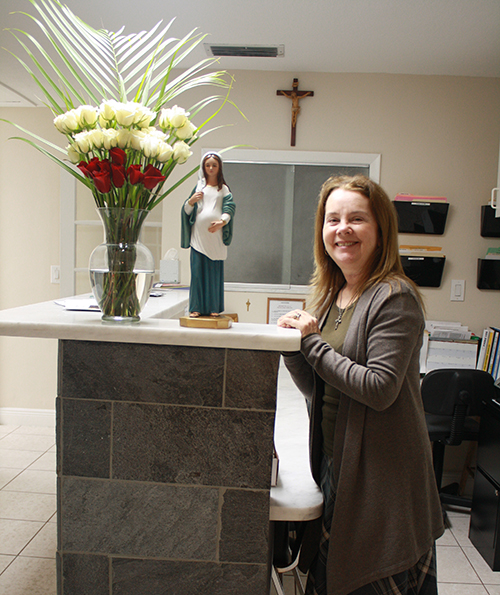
[295,95]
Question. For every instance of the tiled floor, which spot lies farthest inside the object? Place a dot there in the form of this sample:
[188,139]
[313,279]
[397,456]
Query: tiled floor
[27,510]
[461,570]
[28,525]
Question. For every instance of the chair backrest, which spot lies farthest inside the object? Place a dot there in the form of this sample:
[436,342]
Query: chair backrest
[442,390]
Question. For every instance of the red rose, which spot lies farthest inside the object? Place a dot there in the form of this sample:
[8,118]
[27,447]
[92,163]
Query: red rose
[89,168]
[118,156]
[134,174]
[118,175]
[102,181]
[152,177]
[104,166]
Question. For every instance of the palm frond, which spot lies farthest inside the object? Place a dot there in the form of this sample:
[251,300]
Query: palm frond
[77,68]
[101,64]
[32,134]
[174,187]
[53,103]
[82,50]
[60,162]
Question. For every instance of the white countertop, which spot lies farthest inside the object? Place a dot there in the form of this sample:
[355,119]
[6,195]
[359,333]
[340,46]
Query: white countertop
[296,497]
[159,324]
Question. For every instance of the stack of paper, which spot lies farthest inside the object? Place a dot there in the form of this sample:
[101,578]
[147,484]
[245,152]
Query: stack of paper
[493,254]
[447,345]
[454,331]
[79,302]
[419,251]
[404,197]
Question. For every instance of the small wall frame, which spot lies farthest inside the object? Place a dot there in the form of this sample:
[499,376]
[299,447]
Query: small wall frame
[276,307]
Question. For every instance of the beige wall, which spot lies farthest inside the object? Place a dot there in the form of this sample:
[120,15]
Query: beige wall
[29,244]
[436,135]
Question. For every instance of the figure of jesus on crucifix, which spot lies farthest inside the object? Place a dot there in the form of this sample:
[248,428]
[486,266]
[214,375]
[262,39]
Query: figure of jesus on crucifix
[295,95]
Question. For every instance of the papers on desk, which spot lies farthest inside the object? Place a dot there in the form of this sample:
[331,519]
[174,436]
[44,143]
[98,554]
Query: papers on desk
[451,354]
[80,302]
[447,330]
[447,345]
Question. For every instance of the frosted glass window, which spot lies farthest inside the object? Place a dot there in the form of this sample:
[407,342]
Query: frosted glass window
[274,222]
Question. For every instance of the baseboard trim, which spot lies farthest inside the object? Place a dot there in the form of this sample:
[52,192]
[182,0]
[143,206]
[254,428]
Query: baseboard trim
[14,416]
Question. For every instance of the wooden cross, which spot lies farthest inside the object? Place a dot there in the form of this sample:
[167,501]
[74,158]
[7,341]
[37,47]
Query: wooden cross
[295,95]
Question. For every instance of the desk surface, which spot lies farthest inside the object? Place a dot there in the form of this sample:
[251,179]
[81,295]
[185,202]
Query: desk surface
[296,497]
[159,324]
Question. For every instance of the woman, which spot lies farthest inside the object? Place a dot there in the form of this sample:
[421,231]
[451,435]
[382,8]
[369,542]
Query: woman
[358,367]
[207,226]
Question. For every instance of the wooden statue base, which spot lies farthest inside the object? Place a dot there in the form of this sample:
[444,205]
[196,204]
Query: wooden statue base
[206,322]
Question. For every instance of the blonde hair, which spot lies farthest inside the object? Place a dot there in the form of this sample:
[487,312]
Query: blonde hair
[384,264]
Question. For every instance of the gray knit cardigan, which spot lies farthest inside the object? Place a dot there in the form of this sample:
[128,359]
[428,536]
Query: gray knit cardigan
[387,512]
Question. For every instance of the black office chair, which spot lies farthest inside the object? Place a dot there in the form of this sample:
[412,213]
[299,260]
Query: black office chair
[452,398]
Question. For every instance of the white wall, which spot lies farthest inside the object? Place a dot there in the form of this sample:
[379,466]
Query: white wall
[436,135]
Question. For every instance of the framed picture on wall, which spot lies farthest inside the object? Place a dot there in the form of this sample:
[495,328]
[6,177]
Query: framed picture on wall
[276,307]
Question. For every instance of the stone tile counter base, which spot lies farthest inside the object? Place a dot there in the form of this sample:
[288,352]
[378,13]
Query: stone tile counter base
[164,467]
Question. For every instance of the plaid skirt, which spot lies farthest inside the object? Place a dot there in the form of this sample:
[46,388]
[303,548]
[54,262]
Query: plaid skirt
[421,579]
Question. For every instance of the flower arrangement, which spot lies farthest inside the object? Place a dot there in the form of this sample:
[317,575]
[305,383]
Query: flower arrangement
[124,157]
[113,98]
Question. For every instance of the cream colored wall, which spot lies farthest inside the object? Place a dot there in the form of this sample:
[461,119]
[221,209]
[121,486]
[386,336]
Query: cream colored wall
[436,135]
[29,244]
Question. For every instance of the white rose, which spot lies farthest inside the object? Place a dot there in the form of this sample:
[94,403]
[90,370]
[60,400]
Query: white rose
[107,112]
[96,138]
[150,146]
[174,117]
[136,137]
[73,154]
[82,141]
[110,138]
[182,152]
[186,131]
[125,114]
[163,120]
[123,138]
[143,115]
[165,151]
[107,109]
[67,123]
[87,116]
[155,132]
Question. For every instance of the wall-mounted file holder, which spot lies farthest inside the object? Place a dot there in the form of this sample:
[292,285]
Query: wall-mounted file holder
[490,225]
[425,271]
[488,273]
[421,217]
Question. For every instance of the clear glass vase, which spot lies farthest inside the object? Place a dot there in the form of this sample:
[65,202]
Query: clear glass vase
[122,268]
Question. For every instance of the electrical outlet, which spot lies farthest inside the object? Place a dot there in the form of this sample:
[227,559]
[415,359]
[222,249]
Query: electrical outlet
[457,290]
[55,274]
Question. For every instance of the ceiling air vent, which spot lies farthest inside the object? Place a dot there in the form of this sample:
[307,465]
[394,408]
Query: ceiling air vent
[247,51]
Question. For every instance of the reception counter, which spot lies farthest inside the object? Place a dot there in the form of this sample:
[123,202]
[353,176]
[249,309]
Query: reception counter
[164,449]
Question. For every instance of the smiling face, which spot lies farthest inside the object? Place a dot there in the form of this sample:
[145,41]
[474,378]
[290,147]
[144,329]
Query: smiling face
[350,232]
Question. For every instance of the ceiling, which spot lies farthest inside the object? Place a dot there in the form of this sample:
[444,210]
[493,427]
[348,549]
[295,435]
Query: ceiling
[435,37]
